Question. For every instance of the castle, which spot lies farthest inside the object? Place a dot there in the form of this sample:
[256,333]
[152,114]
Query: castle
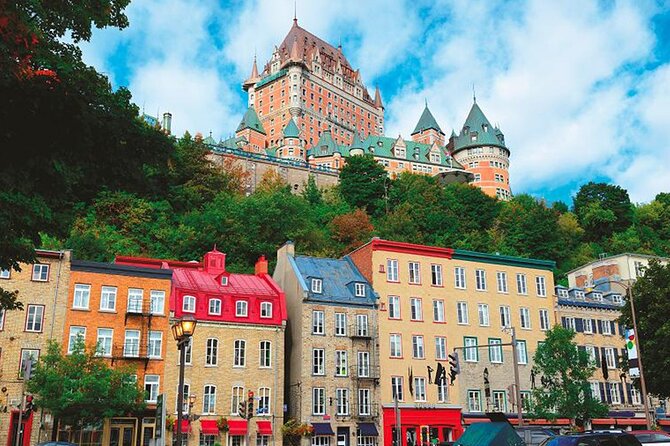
[308,108]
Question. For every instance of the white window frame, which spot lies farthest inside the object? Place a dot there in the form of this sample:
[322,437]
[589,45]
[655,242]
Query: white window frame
[607,328]
[544,319]
[591,351]
[522,352]
[82,296]
[34,318]
[397,389]
[363,368]
[241,308]
[359,289]
[595,390]
[105,342]
[416,309]
[236,398]
[395,342]
[414,273]
[483,315]
[265,354]
[436,274]
[211,352]
[318,362]
[521,284]
[318,322]
[318,401]
[462,313]
[317,285]
[438,310]
[214,307]
[362,327]
[480,280]
[541,286]
[610,359]
[240,353]
[135,300]
[474,400]
[188,304]
[499,400]
[209,399]
[394,307]
[155,344]
[418,348]
[157,302]
[570,323]
[440,348]
[341,363]
[524,318]
[501,280]
[392,270]
[505,316]
[613,389]
[364,406]
[264,406]
[131,349]
[151,395]
[588,325]
[266,310]
[470,354]
[40,272]
[419,389]
[459,278]
[495,352]
[108,296]
[340,324]
[341,401]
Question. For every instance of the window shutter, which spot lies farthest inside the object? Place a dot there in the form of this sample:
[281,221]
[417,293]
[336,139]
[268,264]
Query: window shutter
[602,392]
[565,324]
[596,350]
[616,358]
[621,395]
[613,328]
[603,356]
[622,331]
[600,326]
[608,395]
[594,326]
[629,393]
[579,325]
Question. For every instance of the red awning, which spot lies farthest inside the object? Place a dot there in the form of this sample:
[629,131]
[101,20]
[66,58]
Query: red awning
[264,427]
[237,427]
[185,426]
[209,427]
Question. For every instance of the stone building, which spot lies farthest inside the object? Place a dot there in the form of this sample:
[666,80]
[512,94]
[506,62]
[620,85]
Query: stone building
[25,334]
[625,267]
[332,363]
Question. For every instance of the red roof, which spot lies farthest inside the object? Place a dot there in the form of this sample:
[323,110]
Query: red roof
[238,284]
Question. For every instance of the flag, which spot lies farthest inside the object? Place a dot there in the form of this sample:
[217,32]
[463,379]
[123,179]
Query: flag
[440,374]
[603,367]
[411,381]
[430,375]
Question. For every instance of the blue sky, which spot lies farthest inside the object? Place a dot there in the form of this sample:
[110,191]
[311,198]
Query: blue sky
[580,89]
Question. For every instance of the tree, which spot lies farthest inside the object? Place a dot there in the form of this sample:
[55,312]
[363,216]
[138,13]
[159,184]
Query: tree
[651,293]
[363,183]
[603,209]
[352,230]
[564,373]
[80,388]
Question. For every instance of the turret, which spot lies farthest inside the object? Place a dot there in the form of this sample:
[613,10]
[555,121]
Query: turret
[427,130]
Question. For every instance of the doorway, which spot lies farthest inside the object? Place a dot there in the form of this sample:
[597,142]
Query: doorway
[23,433]
[342,436]
[122,433]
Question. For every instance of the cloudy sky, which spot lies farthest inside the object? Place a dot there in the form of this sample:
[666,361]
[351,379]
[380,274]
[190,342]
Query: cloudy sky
[580,89]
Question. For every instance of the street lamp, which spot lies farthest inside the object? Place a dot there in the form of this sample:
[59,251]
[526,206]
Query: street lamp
[515,361]
[182,330]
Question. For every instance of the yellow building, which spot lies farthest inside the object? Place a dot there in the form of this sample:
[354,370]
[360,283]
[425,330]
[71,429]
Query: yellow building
[433,300]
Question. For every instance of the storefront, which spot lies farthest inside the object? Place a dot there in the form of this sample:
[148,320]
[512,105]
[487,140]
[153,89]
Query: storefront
[422,427]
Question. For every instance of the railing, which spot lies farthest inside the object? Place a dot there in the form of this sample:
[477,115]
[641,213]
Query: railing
[263,157]
[360,331]
[369,372]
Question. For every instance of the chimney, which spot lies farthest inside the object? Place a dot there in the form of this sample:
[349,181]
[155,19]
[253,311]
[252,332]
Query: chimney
[261,266]
[167,122]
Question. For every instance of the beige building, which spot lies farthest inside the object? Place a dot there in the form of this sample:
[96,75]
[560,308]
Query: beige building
[333,364]
[434,300]
[623,267]
[24,335]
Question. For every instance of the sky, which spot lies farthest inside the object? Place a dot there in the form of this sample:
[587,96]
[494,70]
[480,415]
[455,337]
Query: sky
[581,90]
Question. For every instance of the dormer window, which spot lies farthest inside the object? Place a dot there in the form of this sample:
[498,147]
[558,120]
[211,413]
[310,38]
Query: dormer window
[563,293]
[317,285]
[473,138]
[579,294]
[241,308]
[400,152]
[598,297]
[224,281]
[215,306]
[359,290]
[485,127]
[617,299]
[188,304]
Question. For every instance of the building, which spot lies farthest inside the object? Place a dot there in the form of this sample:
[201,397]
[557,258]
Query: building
[624,267]
[123,311]
[234,361]
[24,334]
[437,300]
[332,363]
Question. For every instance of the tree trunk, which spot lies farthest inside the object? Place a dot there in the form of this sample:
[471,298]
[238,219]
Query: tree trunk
[54,429]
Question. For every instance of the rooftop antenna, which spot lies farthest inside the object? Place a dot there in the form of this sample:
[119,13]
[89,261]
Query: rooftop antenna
[474,96]
[425,100]
[295,12]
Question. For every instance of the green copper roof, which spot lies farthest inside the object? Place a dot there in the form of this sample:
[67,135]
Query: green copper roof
[251,121]
[291,130]
[326,146]
[357,142]
[209,140]
[462,254]
[478,131]
[426,121]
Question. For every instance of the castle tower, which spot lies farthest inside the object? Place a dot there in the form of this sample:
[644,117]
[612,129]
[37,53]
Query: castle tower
[427,130]
[290,147]
[312,82]
[481,149]
[252,131]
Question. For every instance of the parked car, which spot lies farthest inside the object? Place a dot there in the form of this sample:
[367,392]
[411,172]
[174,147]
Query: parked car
[656,438]
[601,438]
[533,435]
[56,443]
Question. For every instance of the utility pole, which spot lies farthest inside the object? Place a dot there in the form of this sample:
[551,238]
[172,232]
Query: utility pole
[643,384]
[398,425]
[517,387]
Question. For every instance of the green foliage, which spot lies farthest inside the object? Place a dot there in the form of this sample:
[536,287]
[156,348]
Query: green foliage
[363,183]
[603,209]
[564,373]
[80,388]
[651,294]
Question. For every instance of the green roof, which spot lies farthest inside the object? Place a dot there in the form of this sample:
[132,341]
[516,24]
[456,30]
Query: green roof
[499,259]
[426,121]
[291,130]
[272,77]
[357,142]
[383,147]
[209,139]
[478,131]
[490,434]
[326,146]
[251,121]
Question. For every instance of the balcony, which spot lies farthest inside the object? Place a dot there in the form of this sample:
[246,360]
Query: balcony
[132,351]
[370,413]
[357,331]
[370,372]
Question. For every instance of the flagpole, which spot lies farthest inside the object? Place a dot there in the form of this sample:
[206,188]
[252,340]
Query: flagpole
[398,426]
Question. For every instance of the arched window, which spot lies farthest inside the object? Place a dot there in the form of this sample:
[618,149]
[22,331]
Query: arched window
[188,304]
[209,400]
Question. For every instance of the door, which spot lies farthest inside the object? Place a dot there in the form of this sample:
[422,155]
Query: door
[342,436]
[122,435]
[23,433]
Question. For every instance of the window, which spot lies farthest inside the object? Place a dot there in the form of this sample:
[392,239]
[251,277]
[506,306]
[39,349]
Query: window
[541,286]
[40,272]
[241,308]
[524,315]
[359,290]
[474,401]
[76,334]
[155,344]
[414,272]
[526,400]
[607,327]
[187,391]
[82,294]
[480,280]
[438,310]
[416,313]
[131,344]
[364,406]
[436,274]
[470,352]
[394,307]
[396,388]
[104,342]
[317,285]
[135,296]
[362,325]
[215,306]
[108,298]
[462,313]
[236,400]
[363,364]
[266,309]
[505,317]
[318,361]
[495,352]
[610,358]
[209,400]
[635,396]
[2,321]
[340,324]
[419,389]
[34,318]
[544,320]
[341,363]
[188,304]
[501,280]
[521,287]
[591,351]
[499,401]
[188,352]
[579,294]
[396,346]
[483,312]
[522,352]
[157,301]
[392,270]
[265,350]
[240,358]
[320,440]
[440,348]
[588,326]
[342,401]
[569,323]
[317,322]
[595,390]
[151,387]
[459,277]
[212,352]
[28,354]
[5,274]
[417,347]
[318,401]
[264,401]
[614,393]
[563,293]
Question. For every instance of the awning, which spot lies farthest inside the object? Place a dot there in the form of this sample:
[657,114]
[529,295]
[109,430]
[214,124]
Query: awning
[185,426]
[237,427]
[322,429]
[368,429]
[209,427]
[264,427]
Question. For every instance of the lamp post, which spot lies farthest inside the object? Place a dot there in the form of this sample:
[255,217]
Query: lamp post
[182,330]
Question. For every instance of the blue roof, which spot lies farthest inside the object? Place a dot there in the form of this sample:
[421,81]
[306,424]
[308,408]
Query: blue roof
[338,276]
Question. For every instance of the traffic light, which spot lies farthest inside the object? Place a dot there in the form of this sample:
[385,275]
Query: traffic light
[242,409]
[250,404]
[454,367]
[29,406]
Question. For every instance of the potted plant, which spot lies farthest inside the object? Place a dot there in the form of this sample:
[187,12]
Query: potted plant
[169,423]
[222,424]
